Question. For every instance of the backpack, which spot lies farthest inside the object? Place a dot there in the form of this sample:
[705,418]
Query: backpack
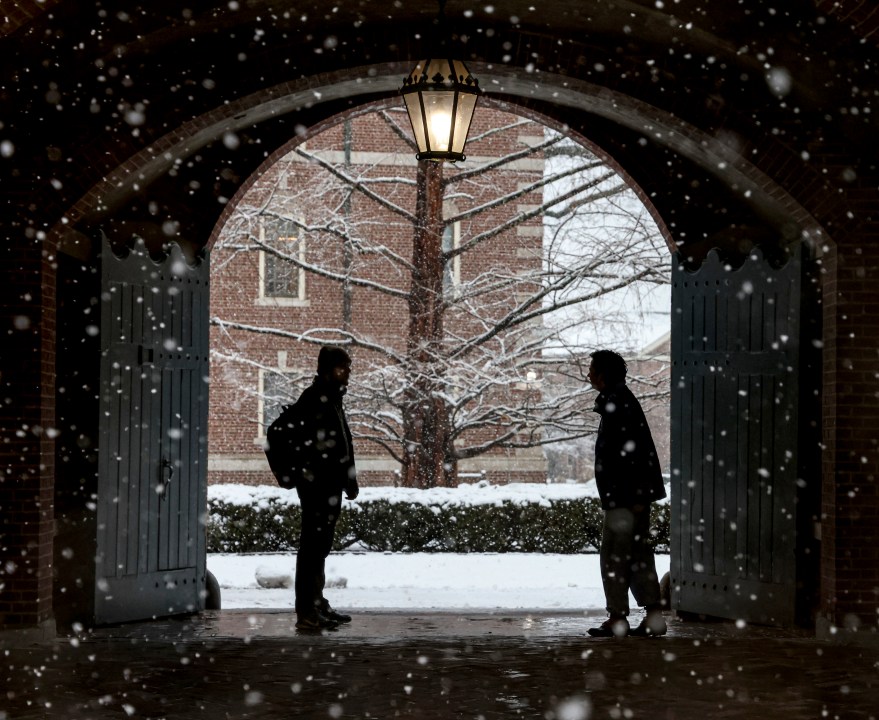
[283,448]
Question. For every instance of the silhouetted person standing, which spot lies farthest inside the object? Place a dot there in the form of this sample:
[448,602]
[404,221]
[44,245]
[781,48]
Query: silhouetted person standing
[629,479]
[325,461]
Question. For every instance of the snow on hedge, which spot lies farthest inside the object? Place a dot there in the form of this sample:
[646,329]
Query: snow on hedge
[481,493]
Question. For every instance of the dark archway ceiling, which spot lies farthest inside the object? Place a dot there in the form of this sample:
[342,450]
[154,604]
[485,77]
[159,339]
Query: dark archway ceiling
[89,89]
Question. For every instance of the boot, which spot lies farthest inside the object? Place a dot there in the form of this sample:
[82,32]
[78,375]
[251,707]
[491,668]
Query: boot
[325,609]
[312,621]
[615,626]
[653,624]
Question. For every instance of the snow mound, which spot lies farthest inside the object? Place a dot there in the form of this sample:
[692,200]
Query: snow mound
[271,578]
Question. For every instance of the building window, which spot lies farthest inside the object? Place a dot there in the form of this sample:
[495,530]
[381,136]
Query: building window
[282,281]
[277,389]
[452,269]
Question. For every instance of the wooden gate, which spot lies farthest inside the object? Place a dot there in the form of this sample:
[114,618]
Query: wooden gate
[152,467]
[736,459]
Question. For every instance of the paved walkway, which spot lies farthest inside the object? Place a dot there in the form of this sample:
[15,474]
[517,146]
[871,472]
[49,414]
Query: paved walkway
[240,664]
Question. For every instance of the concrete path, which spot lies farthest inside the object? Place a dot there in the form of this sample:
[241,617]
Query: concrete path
[240,664]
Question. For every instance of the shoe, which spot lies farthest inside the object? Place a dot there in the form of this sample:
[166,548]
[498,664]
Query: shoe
[326,610]
[336,616]
[614,626]
[315,621]
[653,625]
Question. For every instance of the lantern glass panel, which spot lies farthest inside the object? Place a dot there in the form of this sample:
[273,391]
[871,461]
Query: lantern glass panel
[416,117]
[439,112]
[463,117]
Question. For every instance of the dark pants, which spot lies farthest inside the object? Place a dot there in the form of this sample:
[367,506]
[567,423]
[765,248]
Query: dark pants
[319,516]
[627,560]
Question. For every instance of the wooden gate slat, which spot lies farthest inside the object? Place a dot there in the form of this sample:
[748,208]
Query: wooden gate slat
[123,357]
[751,479]
[154,502]
[135,421]
[134,469]
[700,466]
[147,460]
[173,495]
[161,489]
[198,409]
[726,400]
[683,388]
[710,510]
[743,388]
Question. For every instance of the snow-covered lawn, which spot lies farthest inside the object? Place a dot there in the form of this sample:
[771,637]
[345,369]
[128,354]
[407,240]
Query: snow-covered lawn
[423,581]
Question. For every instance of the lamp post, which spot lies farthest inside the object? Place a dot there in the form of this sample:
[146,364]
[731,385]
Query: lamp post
[440,96]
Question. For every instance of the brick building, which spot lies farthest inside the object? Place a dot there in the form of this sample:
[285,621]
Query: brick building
[298,208]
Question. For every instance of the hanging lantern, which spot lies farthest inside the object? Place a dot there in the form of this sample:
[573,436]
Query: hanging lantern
[440,98]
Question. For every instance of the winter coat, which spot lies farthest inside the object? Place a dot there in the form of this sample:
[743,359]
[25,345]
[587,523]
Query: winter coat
[627,470]
[326,453]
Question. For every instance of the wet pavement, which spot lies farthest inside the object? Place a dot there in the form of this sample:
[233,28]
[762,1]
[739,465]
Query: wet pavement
[249,664]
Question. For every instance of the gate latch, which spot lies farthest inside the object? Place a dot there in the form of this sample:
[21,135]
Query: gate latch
[162,488]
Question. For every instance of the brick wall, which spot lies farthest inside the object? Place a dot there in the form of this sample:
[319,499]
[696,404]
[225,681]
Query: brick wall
[850,490]
[27,405]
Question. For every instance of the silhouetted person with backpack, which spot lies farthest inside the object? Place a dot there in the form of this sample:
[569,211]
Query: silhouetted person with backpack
[629,479]
[310,448]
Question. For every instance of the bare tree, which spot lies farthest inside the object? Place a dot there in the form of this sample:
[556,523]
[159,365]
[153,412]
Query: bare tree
[499,267]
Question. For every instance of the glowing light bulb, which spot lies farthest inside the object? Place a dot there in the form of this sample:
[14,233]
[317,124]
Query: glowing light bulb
[440,125]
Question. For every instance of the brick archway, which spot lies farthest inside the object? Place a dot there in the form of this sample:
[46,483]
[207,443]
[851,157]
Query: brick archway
[730,143]
[558,100]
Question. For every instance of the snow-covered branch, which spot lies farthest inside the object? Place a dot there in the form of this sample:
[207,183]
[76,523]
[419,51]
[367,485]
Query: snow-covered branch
[546,253]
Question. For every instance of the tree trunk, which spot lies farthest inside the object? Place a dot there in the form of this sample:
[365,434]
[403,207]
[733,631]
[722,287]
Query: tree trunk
[428,457]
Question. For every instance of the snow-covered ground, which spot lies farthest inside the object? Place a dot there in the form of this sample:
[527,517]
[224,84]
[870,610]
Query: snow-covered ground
[423,581]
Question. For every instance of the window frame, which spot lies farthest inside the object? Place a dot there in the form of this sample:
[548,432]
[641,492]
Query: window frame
[298,300]
[452,275]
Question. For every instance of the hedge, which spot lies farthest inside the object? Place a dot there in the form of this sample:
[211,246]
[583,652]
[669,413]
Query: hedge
[272,524]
